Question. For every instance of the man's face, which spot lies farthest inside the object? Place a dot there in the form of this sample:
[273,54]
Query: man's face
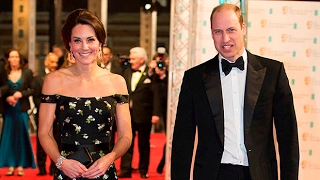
[135,61]
[52,62]
[106,56]
[227,34]
[57,51]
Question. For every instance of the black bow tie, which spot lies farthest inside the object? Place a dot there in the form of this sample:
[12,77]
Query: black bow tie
[136,70]
[227,66]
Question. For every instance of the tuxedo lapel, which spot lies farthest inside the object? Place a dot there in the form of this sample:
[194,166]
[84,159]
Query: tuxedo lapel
[212,84]
[143,77]
[129,77]
[255,77]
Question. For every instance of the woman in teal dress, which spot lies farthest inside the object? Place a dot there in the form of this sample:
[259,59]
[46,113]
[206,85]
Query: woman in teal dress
[85,100]
[15,144]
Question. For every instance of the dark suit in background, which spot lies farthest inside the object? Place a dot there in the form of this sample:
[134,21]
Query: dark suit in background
[144,104]
[112,64]
[264,100]
[4,86]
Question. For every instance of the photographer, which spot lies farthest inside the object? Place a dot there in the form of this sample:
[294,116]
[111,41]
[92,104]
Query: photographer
[158,67]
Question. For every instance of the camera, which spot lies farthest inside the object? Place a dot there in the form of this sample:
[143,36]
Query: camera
[161,63]
[125,60]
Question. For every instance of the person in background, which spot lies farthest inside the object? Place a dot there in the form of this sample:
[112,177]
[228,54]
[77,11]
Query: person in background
[51,64]
[158,67]
[144,109]
[68,61]
[4,86]
[59,50]
[109,62]
[85,100]
[228,108]
[15,144]
[113,65]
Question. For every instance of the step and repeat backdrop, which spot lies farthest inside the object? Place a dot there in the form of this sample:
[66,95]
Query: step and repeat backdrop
[289,31]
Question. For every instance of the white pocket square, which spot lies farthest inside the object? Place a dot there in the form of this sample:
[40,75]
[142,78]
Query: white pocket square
[146,81]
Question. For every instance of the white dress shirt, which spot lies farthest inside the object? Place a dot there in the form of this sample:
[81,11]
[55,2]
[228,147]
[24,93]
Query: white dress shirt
[233,87]
[136,77]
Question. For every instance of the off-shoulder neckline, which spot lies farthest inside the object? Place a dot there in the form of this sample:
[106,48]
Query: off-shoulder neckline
[89,97]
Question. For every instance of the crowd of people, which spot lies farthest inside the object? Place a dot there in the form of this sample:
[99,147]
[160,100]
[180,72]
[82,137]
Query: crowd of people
[83,97]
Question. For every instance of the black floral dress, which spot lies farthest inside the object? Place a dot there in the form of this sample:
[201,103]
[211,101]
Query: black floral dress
[86,121]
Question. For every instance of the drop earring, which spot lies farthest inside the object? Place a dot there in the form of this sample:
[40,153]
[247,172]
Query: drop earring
[99,54]
[71,55]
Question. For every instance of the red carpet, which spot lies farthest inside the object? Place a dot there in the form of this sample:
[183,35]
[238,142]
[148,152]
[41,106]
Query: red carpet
[157,142]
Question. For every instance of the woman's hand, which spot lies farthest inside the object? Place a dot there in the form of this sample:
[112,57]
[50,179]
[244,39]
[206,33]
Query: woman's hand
[73,168]
[99,167]
[11,100]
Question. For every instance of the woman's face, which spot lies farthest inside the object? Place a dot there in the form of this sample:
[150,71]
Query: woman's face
[14,59]
[84,44]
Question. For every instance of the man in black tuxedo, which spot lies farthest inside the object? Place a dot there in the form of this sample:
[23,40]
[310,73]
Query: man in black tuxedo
[144,109]
[51,64]
[4,86]
[231,106]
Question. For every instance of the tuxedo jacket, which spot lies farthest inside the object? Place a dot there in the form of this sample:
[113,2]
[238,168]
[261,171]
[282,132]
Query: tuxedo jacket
[4,86]
[26,88]
[38,83]
[145,99]
[268,100]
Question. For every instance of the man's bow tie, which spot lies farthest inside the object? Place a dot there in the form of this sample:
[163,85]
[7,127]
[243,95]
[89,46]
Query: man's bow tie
[136,70]
[227,66]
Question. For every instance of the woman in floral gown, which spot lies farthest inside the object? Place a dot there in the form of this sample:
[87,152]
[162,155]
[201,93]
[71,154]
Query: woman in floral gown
[85,100]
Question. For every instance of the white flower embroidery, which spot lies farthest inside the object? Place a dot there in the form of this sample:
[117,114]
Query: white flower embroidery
[88,103]
[78,128]
[90,119]
[96,141]
[67,120]
[72,105]
[101,126]
[98,111]
[85,136]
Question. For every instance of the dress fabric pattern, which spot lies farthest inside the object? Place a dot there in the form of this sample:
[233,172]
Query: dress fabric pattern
[15,144]
[86,121]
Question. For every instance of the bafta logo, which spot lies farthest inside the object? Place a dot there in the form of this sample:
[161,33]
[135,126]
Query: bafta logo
[285,9]
[264,23]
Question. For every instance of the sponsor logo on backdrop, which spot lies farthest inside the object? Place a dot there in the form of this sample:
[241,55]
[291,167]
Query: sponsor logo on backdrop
[293,39]
[310,165]
[313,25]
[307,80]
[257,10]
[263,23]
[311,109]
[274,53]
[301,96]
[285,9]
[296,67]
[310,137]
[281,25]
[304,164]
[303,124]
[295,11]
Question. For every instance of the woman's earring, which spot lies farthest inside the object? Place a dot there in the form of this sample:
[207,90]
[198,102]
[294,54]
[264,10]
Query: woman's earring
[99,54]
[71,55]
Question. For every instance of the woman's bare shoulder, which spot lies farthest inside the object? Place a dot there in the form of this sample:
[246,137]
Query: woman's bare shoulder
[54,80]
[115,83]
